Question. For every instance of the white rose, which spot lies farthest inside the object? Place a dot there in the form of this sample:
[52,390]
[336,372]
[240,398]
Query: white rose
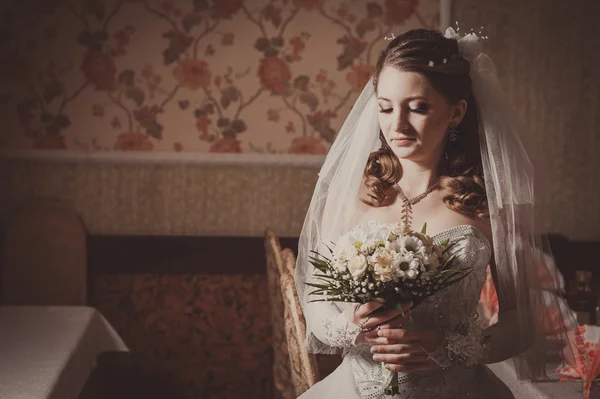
[344,251]
[357,266]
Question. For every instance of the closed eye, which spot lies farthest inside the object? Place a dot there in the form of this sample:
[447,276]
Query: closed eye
[415,110]
[422,110]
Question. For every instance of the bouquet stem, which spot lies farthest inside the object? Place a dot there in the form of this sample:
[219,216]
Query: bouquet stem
[392,388]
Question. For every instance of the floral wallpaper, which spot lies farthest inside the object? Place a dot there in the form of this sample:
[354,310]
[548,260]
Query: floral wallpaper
[254,76]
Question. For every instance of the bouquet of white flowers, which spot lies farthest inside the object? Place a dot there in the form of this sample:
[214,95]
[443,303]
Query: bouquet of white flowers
[376,260]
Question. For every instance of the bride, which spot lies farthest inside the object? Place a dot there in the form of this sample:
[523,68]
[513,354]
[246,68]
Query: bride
[431,140]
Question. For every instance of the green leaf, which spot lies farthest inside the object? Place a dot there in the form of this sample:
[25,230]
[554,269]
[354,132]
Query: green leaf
[448,247]
[445,242]
[319,261]
[424,229]
[52,90]
[399,308]
[136,94]
[127,77]
[319,267]
[322,286]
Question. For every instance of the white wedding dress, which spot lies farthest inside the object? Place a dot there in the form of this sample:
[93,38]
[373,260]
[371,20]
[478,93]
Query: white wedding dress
[360,377]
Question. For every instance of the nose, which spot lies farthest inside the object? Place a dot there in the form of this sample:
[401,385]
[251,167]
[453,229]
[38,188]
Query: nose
[399,123]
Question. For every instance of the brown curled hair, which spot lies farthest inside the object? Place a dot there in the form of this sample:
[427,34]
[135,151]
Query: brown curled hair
[462,171]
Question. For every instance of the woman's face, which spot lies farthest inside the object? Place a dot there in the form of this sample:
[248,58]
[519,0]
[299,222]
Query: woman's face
[413,116]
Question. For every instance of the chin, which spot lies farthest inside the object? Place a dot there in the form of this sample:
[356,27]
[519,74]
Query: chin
[404,152]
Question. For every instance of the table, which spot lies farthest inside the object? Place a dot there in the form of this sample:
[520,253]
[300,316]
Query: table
[553,389]
[49,351]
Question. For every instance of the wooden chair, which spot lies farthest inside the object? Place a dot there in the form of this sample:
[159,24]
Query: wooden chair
[44,256]
[304,368]
[282,378]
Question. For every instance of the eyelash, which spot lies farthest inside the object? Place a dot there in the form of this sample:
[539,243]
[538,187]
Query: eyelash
[415,110]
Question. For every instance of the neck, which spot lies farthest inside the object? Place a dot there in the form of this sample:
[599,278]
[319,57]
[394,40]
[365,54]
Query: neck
[417,176]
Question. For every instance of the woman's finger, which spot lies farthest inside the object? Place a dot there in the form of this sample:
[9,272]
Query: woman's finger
[398,334]
[365,309]
[396,322]
[373,308]
[409,368]
[376,341]
[406,358]
[397,349]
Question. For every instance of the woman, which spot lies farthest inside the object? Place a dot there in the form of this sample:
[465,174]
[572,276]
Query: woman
[430,140]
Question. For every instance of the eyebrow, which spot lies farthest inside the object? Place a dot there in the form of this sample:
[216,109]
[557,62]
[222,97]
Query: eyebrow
[406,99]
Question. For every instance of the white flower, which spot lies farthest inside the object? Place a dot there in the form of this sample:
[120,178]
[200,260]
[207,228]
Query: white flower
[414,244]
[409,270]
[384,264]
[340,265]
[357,266]
[344,250]
[369,246]
[431,262]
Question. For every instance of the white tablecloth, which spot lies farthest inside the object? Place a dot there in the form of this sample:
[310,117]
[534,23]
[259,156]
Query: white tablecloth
[553,389]
[49,351]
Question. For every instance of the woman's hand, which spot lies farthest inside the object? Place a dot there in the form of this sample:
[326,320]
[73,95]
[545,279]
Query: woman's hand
[370,315]
[403,351]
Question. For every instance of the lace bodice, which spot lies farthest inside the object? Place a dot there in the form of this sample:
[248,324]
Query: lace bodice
[445,310]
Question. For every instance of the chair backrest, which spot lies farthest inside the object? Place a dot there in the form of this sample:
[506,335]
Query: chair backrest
[44,256]
[304,368]
[282,377]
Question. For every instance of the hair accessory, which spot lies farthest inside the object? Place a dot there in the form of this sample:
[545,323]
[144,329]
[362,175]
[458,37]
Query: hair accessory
[390,37]
[431,63]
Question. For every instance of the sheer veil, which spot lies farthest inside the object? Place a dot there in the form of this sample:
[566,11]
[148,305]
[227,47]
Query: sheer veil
[524,278]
